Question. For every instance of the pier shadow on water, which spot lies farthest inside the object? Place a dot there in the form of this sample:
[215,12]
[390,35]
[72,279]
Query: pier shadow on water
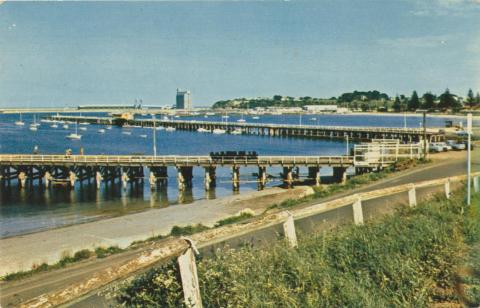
[37,208]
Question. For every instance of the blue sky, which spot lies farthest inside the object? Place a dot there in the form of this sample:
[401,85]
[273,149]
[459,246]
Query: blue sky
[70,53]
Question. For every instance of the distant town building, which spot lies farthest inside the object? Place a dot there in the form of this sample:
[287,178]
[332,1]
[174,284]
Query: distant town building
[113,107]
[320,108]
[184,100]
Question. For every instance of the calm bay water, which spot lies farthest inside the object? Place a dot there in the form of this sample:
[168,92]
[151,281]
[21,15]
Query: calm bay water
[34,209]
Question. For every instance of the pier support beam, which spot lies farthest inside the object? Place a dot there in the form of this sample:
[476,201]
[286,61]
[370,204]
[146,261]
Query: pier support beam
[184,177]
[160,175]
[262,177]
[98,179]
[236,177]
[22,178]
[288,176]
[210,178]
[314,174]
[125,180]
[296,173]
[340,174]
[72,177]
[47,177]
[152,180]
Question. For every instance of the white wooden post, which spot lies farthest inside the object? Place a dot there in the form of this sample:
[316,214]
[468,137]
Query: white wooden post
[475,184]
[357,211]
[412,197]
[447,189]
[289,230]
[188,273]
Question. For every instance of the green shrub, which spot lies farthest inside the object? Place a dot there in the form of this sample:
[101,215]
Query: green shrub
[233,219]
[188,230]
[82,255]
[102,252]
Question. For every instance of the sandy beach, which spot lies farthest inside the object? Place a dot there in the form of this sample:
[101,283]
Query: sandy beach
[22,252]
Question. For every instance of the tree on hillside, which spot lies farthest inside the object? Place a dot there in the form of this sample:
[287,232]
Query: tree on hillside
[413,102]
[277,97]
[397,105]
[477,99]
[470,98]
[428,101]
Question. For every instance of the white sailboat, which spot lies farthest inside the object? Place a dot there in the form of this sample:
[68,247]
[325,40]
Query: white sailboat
[256,117]
[127,133]
[203,130]
[143,136]
[108,127]
[20,122]
[242,120]
[75,136]
[83,128]
[54,125]
[170,129]
[65,126]
[34,125]
[219,131]
[101,131]
[236,132]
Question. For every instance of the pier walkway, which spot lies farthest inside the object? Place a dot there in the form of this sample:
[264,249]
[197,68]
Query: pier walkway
[69,169]
[266,129]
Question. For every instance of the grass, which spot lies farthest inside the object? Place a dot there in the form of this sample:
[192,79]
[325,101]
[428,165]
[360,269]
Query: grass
[242,216]
[407,259]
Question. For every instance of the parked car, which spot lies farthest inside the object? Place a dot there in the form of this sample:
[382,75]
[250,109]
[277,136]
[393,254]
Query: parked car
[436,147]
[456,145]
[439,147]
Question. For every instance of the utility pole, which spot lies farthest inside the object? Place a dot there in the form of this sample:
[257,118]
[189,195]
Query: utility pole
[469,158]
[348,148]
[154,136]
[424,134]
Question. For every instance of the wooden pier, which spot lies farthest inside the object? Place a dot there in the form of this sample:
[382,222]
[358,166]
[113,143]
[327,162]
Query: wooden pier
[130,169]
[407,135]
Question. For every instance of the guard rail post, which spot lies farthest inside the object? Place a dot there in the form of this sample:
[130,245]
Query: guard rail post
[412,196]
[357,211]
[289,231]
[189,277]
[447,188]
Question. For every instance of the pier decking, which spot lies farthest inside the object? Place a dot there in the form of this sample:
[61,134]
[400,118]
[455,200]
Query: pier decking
[266,129]
[69,169]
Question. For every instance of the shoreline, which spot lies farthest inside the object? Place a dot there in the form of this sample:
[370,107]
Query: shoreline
[51,245]
[414,114]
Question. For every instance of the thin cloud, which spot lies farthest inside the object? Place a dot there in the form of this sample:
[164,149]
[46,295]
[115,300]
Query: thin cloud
[444,7]
[415,42]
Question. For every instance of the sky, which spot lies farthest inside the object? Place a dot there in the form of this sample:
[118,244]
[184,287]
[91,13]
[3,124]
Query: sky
[70,53]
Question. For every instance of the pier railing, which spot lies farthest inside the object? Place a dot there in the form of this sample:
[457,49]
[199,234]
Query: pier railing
[164,122]
[173,160]
[185,248]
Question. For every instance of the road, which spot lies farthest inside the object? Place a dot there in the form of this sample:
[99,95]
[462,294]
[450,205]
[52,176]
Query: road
[13,293]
